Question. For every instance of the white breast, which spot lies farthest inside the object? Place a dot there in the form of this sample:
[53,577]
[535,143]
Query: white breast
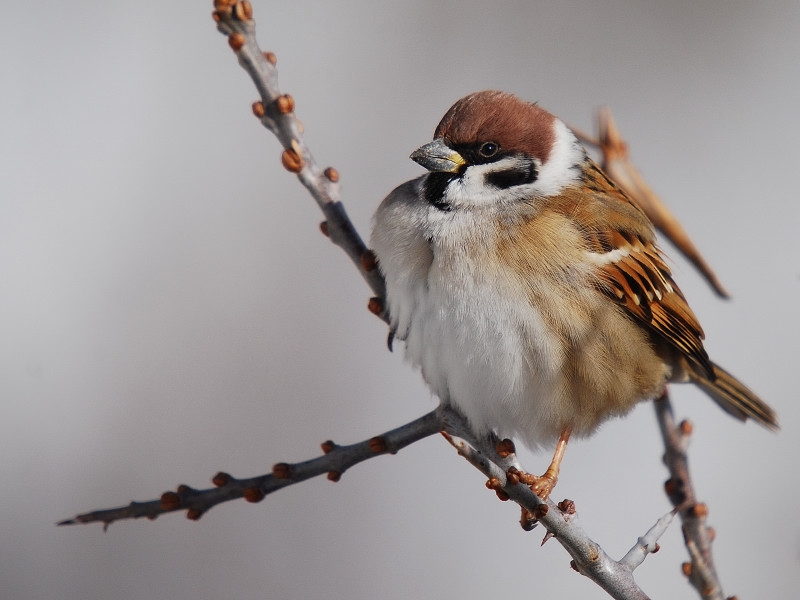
[484,354]
[478,348]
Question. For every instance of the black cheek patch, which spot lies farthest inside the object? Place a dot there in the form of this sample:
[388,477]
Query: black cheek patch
[513,176]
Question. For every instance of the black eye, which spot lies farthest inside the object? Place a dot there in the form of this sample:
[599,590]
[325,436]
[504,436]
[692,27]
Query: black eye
[488,149]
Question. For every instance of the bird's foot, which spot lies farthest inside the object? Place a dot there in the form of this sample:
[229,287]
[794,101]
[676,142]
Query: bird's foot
[541,485]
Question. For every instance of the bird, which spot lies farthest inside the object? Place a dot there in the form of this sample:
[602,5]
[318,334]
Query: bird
[529,289]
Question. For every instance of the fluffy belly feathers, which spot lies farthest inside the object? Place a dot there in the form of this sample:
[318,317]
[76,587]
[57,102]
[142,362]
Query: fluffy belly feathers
[517,368]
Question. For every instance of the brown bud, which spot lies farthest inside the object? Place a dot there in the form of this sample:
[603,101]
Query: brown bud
[377,444]
[699,510]
[573,565]
[327,446]
[526,520]
[271,58]
[284,104]
[334,476]
[502,495]
[375,305]
[505,448]
[292,161]
[282,471]
[194,514]
[221,479]
[222,4]
[170,501]
[216,16]
[674,489]
[184,489]
[323,227]
[243,10]
[332,175]
[236,41]
[687,569]
[656,548]
[369,261]
[494,483]
[253,494]
[567,506]
[686,427]
[258,109]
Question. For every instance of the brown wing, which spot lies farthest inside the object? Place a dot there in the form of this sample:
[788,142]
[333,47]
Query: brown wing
[633,272]
[642,283]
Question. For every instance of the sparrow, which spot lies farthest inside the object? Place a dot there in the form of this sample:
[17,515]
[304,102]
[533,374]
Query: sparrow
[529,289]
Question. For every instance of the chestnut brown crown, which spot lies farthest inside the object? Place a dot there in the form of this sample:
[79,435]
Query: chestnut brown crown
[500,117]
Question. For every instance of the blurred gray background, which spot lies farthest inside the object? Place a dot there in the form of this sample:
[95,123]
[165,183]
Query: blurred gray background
[169,308]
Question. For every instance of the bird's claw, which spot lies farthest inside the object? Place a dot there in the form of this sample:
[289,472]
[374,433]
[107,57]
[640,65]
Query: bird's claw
[540,485]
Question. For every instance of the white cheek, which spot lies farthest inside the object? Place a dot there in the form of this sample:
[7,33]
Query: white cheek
[471,188]
[563,167]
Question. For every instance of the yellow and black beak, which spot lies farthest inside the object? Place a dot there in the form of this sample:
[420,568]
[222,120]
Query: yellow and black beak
[438,157]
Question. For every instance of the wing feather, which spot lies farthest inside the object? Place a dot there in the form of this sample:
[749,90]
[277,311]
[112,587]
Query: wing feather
[632,270]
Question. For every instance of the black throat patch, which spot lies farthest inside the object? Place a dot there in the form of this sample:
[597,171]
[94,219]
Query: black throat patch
[434,188]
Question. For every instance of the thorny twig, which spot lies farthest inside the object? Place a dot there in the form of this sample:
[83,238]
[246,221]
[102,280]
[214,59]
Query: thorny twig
[560,520]
[680,490]
[334,462]
[276,112]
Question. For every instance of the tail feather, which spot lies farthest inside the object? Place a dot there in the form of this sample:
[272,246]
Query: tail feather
[735,398]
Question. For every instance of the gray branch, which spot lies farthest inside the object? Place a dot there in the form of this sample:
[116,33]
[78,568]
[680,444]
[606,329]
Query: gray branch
[334,462]
[680,490]
[560,520]
[276,112]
